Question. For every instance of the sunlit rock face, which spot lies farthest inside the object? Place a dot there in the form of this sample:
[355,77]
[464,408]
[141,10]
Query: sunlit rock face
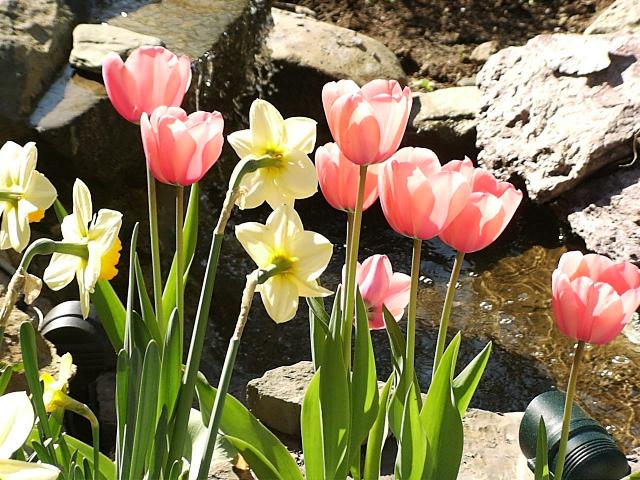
[558,109]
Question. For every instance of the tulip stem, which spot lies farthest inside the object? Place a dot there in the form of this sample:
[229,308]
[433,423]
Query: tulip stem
[253,279]
[446,311]
[347,252]
[352,256]
[411,315]
[155,251]
[180,262]
[568,405]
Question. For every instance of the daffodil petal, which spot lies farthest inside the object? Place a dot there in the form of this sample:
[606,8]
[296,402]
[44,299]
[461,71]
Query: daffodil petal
[16,424]
[23,169]
[40,192]
[284,222]
[309,288]
[104,230]
[301,133]
[84,291]
[17,228]
[82,207]
[242,142]
[267,126]
[61,270]
[313,252]
[298,178]
[251,191]
[71,230]
[18,470]
[276,197]
[280,298]
[256,238]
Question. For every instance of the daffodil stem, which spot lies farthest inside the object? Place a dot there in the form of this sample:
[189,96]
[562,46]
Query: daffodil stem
[155,251]
[446,310]
[180,262]
[352,255]
[225,377]
[411,315]
[71,404]
[568,405]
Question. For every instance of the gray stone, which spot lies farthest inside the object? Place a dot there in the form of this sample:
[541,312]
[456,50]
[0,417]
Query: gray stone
[491,448]
[92,43]
[445,121]
[482,52]
[604,213]
[621,16]
[308,53]
[35,37]
[558,109]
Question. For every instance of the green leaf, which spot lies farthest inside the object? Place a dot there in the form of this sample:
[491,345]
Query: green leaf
[146,409]
[542,462]
[110,310]
[318,328]
[141,334]
[160,446]
[190,234]
[336,314]
[5,378]
[364,383]
[148,314]
[171,365]
[107,466]
[465,384]
[128,335]
[412,443]
[260,466]
[237,422]
[377,436]
[441,420]
[311,426]
[122,380]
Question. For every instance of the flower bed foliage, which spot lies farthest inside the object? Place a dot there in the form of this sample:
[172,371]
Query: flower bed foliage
[159,434]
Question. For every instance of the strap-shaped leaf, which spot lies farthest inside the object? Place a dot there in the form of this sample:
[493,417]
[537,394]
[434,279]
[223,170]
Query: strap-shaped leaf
[465,384]
[377,435]
[171,367]
[148,314]
[311,426]
[237,422]
[413,444]
[5,378]
[318,328]
[107,467]
[542,462]
[441,420]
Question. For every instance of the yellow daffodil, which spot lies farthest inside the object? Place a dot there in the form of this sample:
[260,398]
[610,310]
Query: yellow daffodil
[100,247]
[297,256]
[16,423]
[24,194]
[55,389]
[287,142]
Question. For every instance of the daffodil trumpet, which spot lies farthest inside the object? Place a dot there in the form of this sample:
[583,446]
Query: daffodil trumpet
[446,310]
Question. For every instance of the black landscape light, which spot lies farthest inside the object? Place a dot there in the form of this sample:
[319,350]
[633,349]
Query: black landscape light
[591,452]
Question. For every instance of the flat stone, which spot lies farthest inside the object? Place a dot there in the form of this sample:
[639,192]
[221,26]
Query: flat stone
[491,448]
[558,109]
[605,213]
[482,52]
[93,42]
[34,42]
[308,53]
[621,16]
[445,121]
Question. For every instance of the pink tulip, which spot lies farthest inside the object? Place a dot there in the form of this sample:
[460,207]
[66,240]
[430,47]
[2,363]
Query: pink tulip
[594,298]
[151,77]
[486,213]
[379,286]
[180,149]
[338,178]
[419,198]
[367,123]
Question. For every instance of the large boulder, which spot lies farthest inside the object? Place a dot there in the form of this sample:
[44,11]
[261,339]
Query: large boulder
[621,16]
[558,109]
[35,37]
[307,53]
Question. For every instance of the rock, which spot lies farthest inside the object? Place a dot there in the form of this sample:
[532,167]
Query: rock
[35,37]
[604,213]
[92,43]
[482,52]
[491,439]
[304,66]
[558,109]
[634,460]
[621,16]
[445,121]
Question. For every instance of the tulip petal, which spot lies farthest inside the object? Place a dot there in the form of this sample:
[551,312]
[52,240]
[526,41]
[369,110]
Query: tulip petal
[280,298]
[334,90]
[621,276]
[17,422]
[121,87]
[18,470]
[373,278]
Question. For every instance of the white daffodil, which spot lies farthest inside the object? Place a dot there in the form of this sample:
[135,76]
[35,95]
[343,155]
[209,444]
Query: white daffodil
[25,194]
[287,142]
[99,235]
[298,256]
[55,389]
[16,423]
